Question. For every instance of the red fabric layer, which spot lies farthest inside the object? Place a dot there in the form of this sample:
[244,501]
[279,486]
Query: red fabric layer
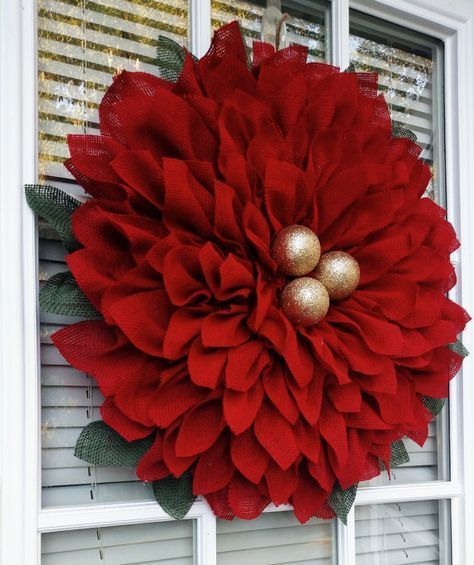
[190,182]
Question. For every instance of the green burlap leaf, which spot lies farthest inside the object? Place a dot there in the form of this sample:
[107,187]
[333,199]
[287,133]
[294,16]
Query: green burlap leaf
[99,444]
[175,496]
[56,207]
[170,58]
[399,454]
[341,501]
[398,131]
[62,295]
[350,69]
[434,405]
[458,348]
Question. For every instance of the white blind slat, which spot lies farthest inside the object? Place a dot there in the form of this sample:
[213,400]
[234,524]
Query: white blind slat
[274,538]
[398,533]
[167,543]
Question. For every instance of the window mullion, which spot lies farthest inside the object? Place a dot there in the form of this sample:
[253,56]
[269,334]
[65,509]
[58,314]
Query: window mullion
[346,554]
[435,490]
[340,33]
[206,538]
[201,29]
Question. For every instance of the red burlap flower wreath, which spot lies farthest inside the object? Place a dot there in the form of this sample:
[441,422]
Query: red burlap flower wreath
[190,183]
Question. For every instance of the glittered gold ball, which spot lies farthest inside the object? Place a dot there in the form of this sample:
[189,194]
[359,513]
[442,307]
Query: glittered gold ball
[305,301]
[296,250]
[339,272]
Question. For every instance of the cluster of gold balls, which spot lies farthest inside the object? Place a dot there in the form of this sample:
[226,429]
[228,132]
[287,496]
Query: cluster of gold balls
[318,278]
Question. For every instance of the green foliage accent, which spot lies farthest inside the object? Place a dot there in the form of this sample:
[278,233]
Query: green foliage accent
[175,496]
[170,58]
[62,295]
[458,348]
[399,454]
[398,131]
[341,501]
[350,69]
[56,207]
[99,444]
[434,405]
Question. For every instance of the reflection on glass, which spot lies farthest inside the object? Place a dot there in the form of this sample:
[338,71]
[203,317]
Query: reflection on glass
[163,543]
[405,532]
[306,25]
[274,538]
[82,44]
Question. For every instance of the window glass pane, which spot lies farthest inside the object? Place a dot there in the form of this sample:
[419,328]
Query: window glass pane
[274,538]
[410,69]
[166,543]
[307,23]
[81,45]
[405,532]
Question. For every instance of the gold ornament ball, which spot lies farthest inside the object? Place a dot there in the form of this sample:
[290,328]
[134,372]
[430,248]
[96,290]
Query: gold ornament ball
[339,272]
[305,301]
[296,250]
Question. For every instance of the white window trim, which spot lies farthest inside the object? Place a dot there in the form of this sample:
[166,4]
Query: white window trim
[21,518]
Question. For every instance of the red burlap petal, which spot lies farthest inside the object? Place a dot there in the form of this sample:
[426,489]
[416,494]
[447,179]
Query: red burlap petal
[151,466]
[200,429]
[276,435]
[241,408]
[245,499]
[214,468]
[248,456]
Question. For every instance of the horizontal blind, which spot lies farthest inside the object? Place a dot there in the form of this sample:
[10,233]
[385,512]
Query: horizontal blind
[409,66]
[305,26]
[82,44]
[166,543]
[274,538]
[70,400]
[405,532]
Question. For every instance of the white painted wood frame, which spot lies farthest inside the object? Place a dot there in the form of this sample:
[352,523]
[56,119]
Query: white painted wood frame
[21,518]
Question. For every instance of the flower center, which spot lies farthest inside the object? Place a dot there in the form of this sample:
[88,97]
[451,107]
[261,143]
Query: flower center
[333,276]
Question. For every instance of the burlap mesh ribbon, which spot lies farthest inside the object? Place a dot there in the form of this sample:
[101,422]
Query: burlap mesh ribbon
[434,405]
[99,444]
[62,295]
[341,501]
[398,131]
[175,496]
[399,454]
[170,58]
[56,207]
[459,348]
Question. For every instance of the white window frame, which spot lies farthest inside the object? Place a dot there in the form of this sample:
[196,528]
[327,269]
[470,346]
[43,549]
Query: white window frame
[21,518]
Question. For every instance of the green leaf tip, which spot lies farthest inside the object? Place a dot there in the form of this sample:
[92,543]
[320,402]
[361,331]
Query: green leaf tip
[99,444]
[175,496]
